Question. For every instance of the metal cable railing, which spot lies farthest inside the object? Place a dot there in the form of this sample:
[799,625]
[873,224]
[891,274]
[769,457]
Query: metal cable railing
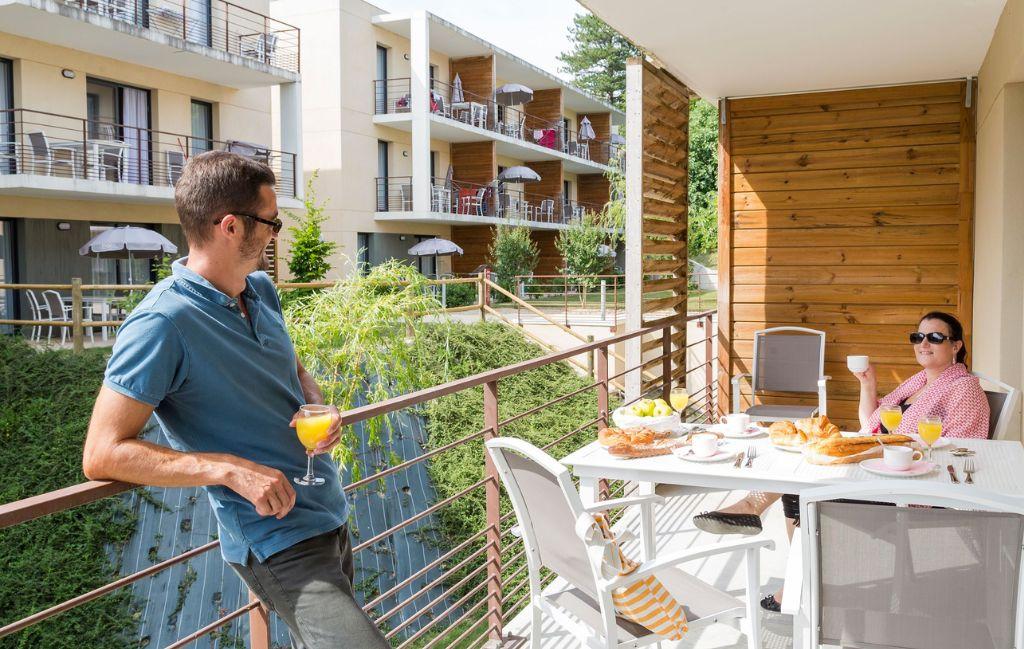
[474,585]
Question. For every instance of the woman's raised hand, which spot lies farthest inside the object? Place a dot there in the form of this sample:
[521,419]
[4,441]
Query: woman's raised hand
[868,376]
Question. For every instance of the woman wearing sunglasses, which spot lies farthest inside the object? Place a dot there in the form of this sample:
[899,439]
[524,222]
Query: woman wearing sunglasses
[943,388]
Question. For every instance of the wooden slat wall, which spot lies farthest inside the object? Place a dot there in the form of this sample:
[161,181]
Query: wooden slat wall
[592,188]
[545,110]
[602,125]
[663,179]
[549,261]
[474,162]
[475,241]
[849,212]
[477,74]
[550,183]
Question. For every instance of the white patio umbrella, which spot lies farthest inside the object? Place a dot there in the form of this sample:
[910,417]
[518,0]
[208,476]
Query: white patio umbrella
[127,242]
[513,94]
[457,94]
[586,130]
[436,247]
[519,174]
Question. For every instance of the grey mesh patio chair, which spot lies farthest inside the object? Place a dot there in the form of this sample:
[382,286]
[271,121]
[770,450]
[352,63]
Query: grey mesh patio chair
[559,534]
[945,576]
[175,161]
[44,158]
[786,359]
[1002,404]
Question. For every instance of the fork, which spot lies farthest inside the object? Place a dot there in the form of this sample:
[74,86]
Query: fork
[751,454]
[969,469]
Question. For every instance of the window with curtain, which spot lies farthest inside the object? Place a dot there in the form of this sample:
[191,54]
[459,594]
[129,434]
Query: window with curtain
[382,175]
[121,113]
[202,127]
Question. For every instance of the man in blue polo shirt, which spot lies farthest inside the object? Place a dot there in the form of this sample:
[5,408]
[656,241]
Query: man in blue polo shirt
[208,353]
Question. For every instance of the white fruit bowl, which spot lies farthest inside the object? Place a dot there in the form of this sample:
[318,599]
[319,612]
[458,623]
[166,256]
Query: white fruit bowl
[666,424]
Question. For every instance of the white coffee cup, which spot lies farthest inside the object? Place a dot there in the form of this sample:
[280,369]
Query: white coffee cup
[704,444]
[857,363]
[737,422]
[899,458]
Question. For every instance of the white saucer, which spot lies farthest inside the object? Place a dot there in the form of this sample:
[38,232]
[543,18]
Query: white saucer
[724,453]
[878,467]
[753,430]
[789,449]
[942,442]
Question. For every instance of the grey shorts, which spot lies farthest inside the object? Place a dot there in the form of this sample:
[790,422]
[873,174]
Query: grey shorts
[309,586]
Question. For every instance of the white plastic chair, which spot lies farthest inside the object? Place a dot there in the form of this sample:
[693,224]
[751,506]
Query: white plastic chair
[945,576]
[786,359]
[559,534]
[440,198]
[1002,405]
[58,311]
[40,313]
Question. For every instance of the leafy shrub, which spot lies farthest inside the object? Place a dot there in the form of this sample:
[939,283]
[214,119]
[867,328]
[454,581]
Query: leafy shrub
[44,413]
[581,246]
[512,252]
[461,294]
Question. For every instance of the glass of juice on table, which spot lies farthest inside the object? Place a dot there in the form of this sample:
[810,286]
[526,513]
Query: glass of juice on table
[678,398]
[311,426]
[891,417]
[930,430]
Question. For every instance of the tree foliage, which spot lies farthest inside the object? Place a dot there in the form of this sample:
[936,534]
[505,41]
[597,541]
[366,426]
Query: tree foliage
[597,58]
[512,252]
[703,190]
[308,257]
[583,247]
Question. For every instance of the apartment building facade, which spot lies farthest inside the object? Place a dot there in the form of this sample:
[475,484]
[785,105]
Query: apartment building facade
[103,101]
[407,128]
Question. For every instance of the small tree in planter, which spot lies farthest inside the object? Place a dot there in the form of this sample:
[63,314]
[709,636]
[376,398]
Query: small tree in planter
[309,252]
[512,253]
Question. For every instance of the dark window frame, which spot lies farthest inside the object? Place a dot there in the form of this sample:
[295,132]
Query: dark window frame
[193,149]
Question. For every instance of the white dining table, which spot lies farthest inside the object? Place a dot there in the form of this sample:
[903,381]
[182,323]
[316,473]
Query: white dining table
[1000,469]
[93,147]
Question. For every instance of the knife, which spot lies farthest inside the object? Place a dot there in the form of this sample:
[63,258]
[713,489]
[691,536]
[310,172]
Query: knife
[739,461]
[952,474]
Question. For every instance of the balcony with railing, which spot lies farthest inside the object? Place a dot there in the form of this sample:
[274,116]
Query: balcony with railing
[52,155]
[466,202]
[213,40]
[479,580]
[521,132]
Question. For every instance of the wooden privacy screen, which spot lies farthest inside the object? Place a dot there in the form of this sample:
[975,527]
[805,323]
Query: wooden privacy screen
[849,212]
[656,198]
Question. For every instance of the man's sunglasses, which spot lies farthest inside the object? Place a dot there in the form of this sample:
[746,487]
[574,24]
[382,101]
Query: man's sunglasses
[276,224]
[934,338]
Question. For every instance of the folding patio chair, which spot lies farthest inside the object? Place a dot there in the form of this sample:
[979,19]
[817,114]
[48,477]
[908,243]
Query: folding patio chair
[1002,404]
[945,576]
[786,359]
[558,533]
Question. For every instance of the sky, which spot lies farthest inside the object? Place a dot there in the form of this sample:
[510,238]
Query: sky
[534,30]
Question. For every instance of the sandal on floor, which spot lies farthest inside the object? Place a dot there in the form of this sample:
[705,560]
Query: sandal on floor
[722,523]
[771,604]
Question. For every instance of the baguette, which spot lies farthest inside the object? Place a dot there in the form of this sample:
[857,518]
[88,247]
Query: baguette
[846,446]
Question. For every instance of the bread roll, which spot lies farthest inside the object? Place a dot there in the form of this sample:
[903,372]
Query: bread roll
[846,446]
[785,433]
[657,447]
[634,435]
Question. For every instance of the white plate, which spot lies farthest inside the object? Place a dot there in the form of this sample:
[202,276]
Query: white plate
[789,449]
[753,430]
[724,453]
[942,442]
[878,467]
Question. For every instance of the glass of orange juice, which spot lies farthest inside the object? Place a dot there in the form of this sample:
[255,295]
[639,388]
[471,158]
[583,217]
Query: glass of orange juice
[930,430]
[891,417]
[312,426]
[678,398]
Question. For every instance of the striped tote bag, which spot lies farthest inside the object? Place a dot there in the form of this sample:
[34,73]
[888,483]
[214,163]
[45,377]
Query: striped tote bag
[645,601]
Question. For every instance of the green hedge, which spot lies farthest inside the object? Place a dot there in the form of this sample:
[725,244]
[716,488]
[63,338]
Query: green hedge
[44,413]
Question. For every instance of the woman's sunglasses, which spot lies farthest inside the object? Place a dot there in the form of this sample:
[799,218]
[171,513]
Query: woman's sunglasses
[934,337]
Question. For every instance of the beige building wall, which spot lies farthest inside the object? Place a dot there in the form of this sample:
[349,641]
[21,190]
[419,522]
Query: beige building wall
[999,207]
[39,85]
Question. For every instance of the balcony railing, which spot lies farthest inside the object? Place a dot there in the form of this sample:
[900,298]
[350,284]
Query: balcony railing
[394,194]
[484,574]
[39,143]
[393,96]
[223,26]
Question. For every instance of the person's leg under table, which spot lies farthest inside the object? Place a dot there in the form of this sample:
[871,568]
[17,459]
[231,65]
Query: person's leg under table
[309,586]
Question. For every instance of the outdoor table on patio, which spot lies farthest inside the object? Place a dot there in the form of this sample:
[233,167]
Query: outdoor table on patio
[92,305]
[93,147]
[1000,467]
